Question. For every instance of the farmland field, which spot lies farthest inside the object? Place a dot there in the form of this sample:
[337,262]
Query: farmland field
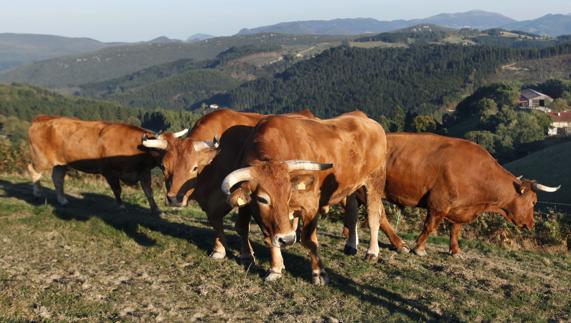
[88,261]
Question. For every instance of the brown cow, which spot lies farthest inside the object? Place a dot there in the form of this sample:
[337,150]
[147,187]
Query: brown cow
[195,170]
[454,179]
[111,149]
[288,166]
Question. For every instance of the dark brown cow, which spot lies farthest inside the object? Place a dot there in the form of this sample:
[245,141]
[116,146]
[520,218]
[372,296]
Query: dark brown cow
[111,149]
[194,169]
[454,179]
[287,166]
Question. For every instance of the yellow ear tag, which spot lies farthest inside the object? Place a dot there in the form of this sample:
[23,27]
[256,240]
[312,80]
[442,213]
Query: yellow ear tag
[240,201]
[301,186]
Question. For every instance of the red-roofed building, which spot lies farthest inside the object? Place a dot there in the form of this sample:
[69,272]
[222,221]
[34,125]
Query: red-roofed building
[561,123]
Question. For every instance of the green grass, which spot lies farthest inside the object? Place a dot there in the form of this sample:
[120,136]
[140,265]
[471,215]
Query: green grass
[549,166]
[88,261]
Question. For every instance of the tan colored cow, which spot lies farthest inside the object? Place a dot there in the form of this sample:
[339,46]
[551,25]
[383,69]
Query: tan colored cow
[305,165]
[108,148]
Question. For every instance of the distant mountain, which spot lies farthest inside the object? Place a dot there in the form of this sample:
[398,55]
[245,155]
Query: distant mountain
[349,26]
[164,40]
[199,37]
[551,25]
[476,19]
[473,19]
[19,49]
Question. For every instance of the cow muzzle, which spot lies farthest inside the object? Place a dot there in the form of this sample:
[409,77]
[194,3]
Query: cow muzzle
[173,201]
[284,240]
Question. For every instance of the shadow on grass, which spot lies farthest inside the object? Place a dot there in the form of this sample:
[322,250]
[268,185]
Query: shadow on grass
[103,207]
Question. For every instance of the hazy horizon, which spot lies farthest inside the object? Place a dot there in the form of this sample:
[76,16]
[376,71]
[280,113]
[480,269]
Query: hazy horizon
[131,20]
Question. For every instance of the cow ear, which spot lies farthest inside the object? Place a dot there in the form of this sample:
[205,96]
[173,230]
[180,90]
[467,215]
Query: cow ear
[520,187]
[240,196]
[205,157]
[303,182]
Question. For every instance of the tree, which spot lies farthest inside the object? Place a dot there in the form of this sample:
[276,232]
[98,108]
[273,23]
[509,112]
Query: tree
[484,138]
[424,123]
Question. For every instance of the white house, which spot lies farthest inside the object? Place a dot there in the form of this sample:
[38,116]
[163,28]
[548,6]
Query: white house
[561,123]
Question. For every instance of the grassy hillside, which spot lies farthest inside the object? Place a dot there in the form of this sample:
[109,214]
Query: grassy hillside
[88,261]
[117,61]
[19,49]
[550,166]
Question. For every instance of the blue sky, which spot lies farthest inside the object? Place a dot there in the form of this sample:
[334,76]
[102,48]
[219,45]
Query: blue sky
[136,20]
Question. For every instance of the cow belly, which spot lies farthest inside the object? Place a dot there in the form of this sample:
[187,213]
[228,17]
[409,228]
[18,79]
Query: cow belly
[129,178]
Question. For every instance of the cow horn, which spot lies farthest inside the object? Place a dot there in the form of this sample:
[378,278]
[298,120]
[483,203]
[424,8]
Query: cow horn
[520,177]
[155,143]
[306,165]
[544,188]
[201,145]
[237,176]
[180,133]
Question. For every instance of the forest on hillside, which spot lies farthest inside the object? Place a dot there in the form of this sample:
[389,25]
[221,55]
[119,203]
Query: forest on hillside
[421,79]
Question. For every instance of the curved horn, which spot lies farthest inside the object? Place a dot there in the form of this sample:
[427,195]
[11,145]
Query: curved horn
[306,165]
[237,176]
[180,133]
[155,143]
[520,177]
[544,188]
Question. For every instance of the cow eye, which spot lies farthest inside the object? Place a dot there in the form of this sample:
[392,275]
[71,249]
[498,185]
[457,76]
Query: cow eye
[194,168]
[263,200]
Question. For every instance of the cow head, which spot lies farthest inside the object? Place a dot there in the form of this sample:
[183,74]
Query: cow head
[520,209]
[268,188]
[182,161]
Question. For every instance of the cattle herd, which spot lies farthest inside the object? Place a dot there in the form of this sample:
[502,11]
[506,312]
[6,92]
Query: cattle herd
[283,170]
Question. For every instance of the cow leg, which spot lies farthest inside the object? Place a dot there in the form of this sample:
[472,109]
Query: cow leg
[243,229]
[350,225]
[454,233]
[216,220]
[146,185]
[309,240]
[388,230]
[374,205]
[36,176]
[58,176]
[432,221]
[276,262]
[115,185]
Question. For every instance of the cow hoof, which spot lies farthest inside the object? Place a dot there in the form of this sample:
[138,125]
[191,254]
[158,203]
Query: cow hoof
[273,276]
[404,249]
[350,251]
[456,254]
[371,257]
[321,279]
[421,253]
[218,255]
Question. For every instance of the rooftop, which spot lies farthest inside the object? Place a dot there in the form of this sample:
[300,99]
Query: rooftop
[529,94]
[560,116]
